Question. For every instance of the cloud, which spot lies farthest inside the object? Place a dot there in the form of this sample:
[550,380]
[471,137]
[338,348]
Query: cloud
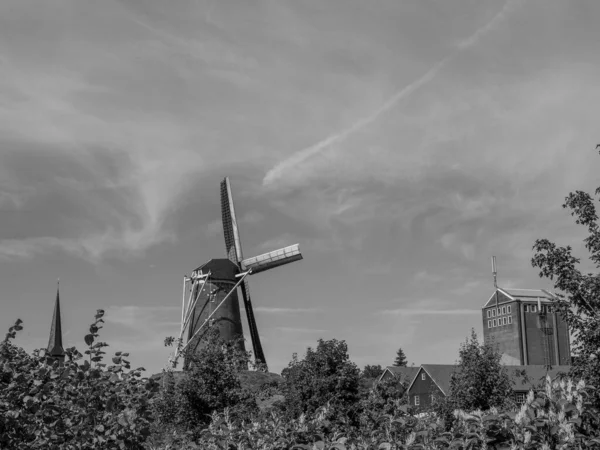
[145,318]
[424,276]
[301,330]
[283,168]
[275,310]
[252,217]
[428,312]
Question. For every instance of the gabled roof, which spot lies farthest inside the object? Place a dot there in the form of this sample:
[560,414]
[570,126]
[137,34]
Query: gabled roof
[511,295]
[55,345]
[405,373]
[441,375]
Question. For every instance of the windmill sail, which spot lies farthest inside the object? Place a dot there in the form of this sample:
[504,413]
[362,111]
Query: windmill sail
[233,244]
[233,247]
[259,355]
[273,259]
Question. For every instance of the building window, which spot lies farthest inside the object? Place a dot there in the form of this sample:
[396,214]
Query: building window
[508,309]
[417,400]
[489,324]
[494,322]
[504,310]
[526,308]
[423,377]
[533,308]
[509,320]
[489,313]
[493,313]
[499,309]
[504,321]
[519,398]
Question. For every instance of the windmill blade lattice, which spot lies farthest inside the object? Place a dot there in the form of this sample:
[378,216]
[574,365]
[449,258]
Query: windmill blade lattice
[233,244]
[259,355]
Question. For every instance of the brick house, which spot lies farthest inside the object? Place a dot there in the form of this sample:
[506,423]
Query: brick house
[526,328]
[431,381]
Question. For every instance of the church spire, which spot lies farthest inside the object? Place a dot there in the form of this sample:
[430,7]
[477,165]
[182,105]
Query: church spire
[55,346]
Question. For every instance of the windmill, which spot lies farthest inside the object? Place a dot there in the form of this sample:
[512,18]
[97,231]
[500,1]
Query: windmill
[210,293]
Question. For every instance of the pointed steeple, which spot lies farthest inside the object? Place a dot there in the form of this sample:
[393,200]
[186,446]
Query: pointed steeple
[55,345]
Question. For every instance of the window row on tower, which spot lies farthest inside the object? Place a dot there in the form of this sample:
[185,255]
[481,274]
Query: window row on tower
[500,321]
[498,311]
[534,308]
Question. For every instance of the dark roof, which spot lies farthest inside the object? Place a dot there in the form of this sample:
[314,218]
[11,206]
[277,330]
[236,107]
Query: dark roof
[220,269]
[406,373]
[440,374]
[535,373]
[55,345]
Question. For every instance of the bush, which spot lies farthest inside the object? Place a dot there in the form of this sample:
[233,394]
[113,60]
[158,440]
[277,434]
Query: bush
[47,404]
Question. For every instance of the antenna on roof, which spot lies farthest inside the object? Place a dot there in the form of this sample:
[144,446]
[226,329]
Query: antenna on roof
[495,273]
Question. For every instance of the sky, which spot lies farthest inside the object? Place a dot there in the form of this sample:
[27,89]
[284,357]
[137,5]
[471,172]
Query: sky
[401,143]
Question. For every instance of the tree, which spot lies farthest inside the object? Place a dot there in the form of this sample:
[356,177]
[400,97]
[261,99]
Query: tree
[210,384]
[400,359]
[325,375]
[578,292]
[371,371]
[480,381]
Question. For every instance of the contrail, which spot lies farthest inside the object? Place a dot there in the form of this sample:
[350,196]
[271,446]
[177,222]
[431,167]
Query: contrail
[282,167]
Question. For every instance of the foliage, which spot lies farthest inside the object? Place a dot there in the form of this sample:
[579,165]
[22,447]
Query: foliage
[325,375]
[386,399]
[45,403]
[480,381]
[371,371]
[400,360]
[578,292]
[559,416]
[210,385]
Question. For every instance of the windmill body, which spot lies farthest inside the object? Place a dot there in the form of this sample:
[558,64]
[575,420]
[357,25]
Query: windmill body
[209,295]
[212,288]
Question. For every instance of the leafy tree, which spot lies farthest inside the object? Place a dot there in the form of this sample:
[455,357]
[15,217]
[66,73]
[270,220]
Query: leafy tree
[48,404]
[400,359]
[325,375]
[371,371]
[480,381]
[210,385]
[578,292]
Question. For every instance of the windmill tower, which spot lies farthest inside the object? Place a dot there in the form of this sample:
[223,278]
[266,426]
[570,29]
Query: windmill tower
[210,294]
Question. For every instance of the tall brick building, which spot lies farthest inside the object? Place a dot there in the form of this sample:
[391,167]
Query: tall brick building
[526,328]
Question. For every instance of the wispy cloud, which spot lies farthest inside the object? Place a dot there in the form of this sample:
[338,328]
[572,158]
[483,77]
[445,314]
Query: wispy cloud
[277,172]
